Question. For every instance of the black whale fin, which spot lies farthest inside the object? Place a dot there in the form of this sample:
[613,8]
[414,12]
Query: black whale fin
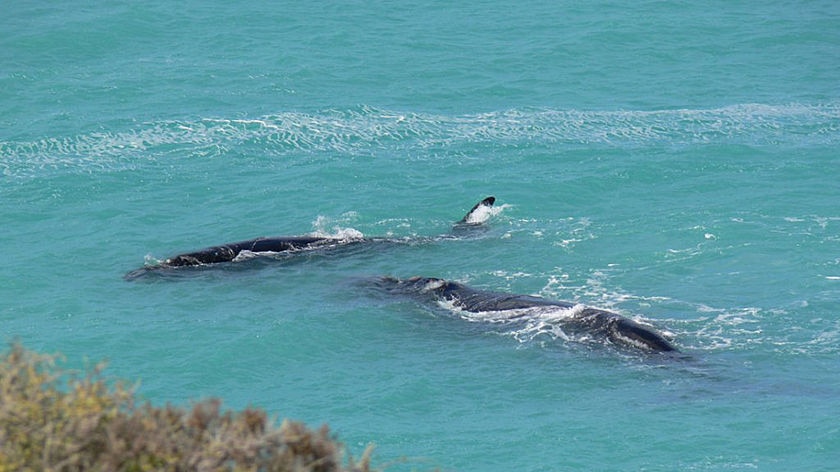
[471,217]
[137,273]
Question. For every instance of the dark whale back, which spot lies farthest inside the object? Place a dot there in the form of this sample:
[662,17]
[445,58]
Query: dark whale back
[630,333]
[470,299]
[624,331]
[228,252]
[618,329]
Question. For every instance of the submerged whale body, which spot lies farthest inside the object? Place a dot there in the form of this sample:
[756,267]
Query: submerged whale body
[289,244]
[617,329]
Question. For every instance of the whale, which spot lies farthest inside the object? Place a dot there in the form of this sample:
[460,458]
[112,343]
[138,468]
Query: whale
[618,330]
[229,252]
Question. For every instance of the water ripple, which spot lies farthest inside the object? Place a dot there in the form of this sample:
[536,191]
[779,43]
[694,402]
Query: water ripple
[366,130]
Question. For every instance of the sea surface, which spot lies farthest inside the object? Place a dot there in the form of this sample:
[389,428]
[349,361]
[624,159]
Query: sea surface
[676,162]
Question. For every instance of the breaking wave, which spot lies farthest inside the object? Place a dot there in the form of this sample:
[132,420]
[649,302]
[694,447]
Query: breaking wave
[370,131]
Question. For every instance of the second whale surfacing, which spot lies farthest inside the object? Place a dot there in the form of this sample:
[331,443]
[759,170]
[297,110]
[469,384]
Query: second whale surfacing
[619,330]
[230,252]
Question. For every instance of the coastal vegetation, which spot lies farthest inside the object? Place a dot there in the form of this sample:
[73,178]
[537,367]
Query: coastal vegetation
[56,419]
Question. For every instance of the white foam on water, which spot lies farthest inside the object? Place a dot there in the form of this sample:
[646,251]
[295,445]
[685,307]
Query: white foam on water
[365,131]
[526,324]
[325,227]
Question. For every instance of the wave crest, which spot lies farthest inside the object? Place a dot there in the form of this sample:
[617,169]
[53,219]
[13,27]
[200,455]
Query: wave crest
[369,131]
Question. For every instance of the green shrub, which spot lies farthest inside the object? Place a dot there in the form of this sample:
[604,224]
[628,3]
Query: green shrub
[57,420]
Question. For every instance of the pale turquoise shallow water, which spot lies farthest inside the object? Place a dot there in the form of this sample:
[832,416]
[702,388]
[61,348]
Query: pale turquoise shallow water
[674,162]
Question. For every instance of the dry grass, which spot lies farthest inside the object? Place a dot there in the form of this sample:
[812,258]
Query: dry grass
[57,420]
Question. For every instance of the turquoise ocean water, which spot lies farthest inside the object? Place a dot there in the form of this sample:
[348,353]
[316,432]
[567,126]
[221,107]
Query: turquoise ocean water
[676,162]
